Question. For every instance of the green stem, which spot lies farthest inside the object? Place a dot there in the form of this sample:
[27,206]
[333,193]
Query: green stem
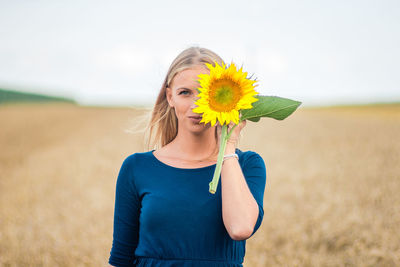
[214,183]
[230,132]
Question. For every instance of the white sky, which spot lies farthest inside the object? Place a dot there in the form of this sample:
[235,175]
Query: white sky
[117,52]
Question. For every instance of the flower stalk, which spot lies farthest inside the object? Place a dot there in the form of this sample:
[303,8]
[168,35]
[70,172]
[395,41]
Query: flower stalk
[223,141]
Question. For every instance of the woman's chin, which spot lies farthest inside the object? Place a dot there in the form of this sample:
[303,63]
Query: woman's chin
[198,127]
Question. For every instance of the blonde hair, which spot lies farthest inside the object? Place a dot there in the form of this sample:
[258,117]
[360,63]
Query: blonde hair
[163,125]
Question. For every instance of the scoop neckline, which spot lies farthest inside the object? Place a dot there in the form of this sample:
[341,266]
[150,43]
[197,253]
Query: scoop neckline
[176,168]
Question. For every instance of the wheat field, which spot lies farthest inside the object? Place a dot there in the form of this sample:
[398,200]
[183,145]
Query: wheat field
[332,195]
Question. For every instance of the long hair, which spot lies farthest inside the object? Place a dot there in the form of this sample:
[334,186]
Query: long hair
[163,125]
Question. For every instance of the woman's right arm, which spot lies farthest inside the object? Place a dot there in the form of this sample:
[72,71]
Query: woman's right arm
[126,218]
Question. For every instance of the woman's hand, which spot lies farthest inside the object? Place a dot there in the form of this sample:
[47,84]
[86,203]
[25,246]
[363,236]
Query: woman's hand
[234,138]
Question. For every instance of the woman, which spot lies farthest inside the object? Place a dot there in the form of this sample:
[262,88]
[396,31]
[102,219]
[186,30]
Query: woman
[164,213]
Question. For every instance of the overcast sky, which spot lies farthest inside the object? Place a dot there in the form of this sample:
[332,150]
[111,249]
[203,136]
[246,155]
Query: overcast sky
[117,52]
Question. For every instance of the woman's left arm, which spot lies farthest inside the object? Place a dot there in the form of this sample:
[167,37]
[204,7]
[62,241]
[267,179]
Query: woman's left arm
[240,210]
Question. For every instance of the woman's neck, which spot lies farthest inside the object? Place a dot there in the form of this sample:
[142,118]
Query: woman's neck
[196,146]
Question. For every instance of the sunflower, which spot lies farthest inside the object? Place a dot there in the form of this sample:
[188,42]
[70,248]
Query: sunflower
[223,93]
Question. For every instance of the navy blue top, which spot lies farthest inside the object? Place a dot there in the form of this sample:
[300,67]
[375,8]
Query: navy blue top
[165,216]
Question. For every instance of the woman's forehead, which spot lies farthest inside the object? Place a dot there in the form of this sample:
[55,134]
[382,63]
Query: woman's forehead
[189,77]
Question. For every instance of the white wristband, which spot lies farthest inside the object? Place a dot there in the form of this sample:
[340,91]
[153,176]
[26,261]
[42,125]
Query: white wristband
[231,156]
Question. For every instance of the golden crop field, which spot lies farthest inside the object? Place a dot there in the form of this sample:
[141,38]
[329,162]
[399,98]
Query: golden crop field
[332,196]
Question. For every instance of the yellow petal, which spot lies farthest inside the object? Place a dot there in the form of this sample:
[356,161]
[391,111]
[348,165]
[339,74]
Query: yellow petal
[216,108]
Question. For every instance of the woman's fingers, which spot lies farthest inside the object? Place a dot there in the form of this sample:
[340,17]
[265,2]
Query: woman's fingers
[235,135]
[242,124]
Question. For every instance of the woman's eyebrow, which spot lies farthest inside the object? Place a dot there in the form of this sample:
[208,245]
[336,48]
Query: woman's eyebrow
[180,88]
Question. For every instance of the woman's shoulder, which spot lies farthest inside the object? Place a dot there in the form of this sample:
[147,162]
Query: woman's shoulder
[138,157]
[253,166]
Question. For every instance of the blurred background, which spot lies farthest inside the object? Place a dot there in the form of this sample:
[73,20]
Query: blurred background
[75,77]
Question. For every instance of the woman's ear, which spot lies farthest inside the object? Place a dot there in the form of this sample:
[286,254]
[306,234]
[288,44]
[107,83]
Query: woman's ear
[169,96]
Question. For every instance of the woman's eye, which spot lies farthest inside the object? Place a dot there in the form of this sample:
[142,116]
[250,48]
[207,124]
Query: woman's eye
[184,92]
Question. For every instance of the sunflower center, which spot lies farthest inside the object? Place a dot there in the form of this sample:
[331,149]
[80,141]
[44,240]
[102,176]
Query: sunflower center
[224,95]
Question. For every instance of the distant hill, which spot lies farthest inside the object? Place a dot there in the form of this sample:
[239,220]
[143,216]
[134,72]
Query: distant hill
[10,96]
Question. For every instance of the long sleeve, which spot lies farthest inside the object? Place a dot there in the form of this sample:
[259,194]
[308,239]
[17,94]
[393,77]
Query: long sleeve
[126,218]
[255,174]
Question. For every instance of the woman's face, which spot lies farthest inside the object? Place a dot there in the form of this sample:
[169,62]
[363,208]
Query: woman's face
[181,94]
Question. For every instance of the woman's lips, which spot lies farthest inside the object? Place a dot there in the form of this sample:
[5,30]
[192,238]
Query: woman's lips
[195,119]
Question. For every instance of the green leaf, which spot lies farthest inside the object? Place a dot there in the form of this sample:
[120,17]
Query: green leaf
[275,107]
